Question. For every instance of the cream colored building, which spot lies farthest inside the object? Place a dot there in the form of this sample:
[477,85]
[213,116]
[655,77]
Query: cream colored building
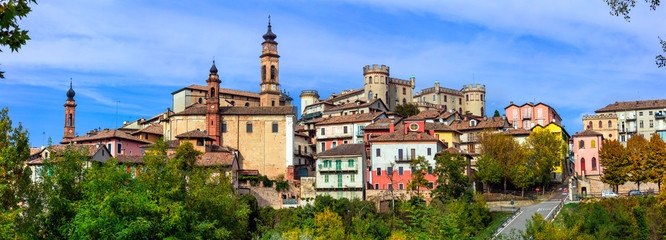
[644,118]
[606,124]
[380,85]
[470,99]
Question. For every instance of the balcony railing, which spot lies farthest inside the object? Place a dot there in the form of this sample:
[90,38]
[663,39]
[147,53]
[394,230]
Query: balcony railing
[631,116]
[659,115]
[404,158]
[342,168]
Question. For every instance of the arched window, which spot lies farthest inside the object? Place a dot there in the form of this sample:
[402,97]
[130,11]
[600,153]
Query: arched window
[404,101]
[212,92]
[263,73]
[593,144]
[404,90]
[582,164]
[370,92]
[482,113]
[609,123]
[247,104]
[387,98]
[600,125]
[369,79]
[594,164]
[467,97]
[200,100]
[581,144]
[273,72]
[481,97]
[69,122]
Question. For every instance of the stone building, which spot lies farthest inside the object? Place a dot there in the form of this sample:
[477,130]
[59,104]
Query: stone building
[380,85]
[469,100]
[637,117]
[346,129]
[606,124]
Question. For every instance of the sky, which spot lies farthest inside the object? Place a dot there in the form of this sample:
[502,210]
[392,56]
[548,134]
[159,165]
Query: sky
[125,58]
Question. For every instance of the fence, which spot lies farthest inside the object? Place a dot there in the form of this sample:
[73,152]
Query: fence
[516,212]
[553,213]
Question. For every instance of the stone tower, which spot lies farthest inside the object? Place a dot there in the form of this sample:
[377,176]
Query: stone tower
[308,97]
[213,105]
[270,86]
[377,84]
[70,114]
[474,99]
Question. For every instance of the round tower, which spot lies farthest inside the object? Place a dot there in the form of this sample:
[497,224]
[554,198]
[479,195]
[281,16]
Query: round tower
[376,84]
[474,99]
[308,97]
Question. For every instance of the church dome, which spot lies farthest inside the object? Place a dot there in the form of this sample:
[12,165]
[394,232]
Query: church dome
[269,36]
[70,93]
[213,69]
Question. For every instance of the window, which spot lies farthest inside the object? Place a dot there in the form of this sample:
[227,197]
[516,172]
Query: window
[389,186]
[404,90]
[402,186]
[323,146]
[431,185]
[481,97]
[651,124]
[400,154]
[249,127]
[275,127]
[325,178]
[273,102]
[340,181]
[247,104]
[370,92]
[582,164]
[389,171]
[334,144]
[593,144]
[609,123]
[200,142]
[345,142]
[429,169]
[344,129]
[369,79]
[650,113]
[600,125]
[119,148]
[338,164]
[379,152]
[640,114]
[224,127]
[400,171]
[70,120]
[263,72]
[323,131]
[429,151]
[352,178]
[200,100]
[460,102]
[212,92]
[109,147]
[273,72]
[379,171]
[581,144]
[594,162]
[413,154]
[404,101]
[467,97]
[376,185]
[434,97]
[350,162]
[641,124]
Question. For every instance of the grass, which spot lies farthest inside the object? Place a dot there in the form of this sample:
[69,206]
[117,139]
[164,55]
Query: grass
[569,207]
[498,218]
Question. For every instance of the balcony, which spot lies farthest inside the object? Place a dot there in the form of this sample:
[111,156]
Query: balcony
[527,116]
[627,130]
[631,117]
[404,158]
[342,168]
[659,115]
[360,133]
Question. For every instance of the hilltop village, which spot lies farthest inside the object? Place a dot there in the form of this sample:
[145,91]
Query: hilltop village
[353,144]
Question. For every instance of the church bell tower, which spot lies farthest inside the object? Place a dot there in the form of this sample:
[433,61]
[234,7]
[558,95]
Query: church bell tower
[270,86]
[213,105]
[70,113]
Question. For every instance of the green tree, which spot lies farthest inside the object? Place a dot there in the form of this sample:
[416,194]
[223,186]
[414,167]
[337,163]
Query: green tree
[503,149]
[407,110]
[452,183]
[11,35]
[497,114]
[420,167]
[545,151]
[623,8]
[523,177]
[489,172]
[613,157]
[14,150]
[637,155]
[656,161]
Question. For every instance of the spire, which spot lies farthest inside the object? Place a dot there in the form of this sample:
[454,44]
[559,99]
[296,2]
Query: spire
[213,69]
[70,93]
[269,36]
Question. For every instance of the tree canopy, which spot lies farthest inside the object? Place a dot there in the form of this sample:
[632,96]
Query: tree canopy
[407,110]
[11,35]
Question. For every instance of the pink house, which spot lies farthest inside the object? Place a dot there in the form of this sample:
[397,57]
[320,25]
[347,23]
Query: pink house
[586,153]
[116,141]
[529,115]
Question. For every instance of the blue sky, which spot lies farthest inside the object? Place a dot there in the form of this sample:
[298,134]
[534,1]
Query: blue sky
[126,57]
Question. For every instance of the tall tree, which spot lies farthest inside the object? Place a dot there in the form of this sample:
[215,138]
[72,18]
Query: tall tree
[523,177]
[14,150]
[656,161]
[623,8]
[637,155]
[497,114]
[545,151]
[420,169]
[452,183]
[407,109]
[489,171]
[613,157]
[11,35]
[503,149]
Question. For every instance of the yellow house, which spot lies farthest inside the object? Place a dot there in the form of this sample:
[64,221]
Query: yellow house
[561,134]
[444,133]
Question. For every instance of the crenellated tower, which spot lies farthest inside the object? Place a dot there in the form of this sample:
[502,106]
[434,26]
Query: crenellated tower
[213,105]
[377,83]
[474,97]
[270,85]
[308,97]
[70,114]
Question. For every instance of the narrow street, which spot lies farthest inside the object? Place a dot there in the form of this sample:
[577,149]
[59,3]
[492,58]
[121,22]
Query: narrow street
[519,223]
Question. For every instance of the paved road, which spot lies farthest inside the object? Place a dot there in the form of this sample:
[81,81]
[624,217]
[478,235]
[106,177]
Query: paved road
[542,208]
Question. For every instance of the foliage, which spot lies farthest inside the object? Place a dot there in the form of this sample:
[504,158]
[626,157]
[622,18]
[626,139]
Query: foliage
[623,7]
[420,167]
[489,171]
[503,149]
[10,33]
[613,157]
[545,151]
[281,186]
[14,151]
[497,113]
[656,160]
[523,176]
[637,153]
[452,183]
[407,110]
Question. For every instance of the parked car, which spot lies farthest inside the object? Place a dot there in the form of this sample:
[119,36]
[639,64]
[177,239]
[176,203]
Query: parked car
[608,193]
[636,193]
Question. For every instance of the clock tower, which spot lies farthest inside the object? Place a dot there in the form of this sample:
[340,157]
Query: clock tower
[70,113]
[270,86]
[213,105]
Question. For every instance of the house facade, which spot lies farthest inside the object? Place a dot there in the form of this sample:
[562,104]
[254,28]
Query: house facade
[341,172]
[346,129]
[528,115]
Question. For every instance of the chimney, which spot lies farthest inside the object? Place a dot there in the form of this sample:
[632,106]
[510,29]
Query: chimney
[511,103]
[391,127]
[418,136]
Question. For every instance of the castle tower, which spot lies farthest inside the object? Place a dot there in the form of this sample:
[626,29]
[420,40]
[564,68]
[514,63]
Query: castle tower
[70,114]
[270,86]
[474,99]
[213,105]
[377,84]
[308,97]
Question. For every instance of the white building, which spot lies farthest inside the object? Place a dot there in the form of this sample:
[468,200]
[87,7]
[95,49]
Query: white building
[341,172]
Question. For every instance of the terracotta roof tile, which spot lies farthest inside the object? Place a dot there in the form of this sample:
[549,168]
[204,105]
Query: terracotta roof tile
[341,96]
[248,172]
[221,91]
[105,134]
[430,114]
[35,151]
[353,118]
[194,109]
[518,131]
[633,105]
[398,136]
[438,126]
[345,149]
[194,134]
[129,158]
[383,123]
[155,128]
[277,110]
[586,133]
[215,159]
[54,150]
[493,122]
